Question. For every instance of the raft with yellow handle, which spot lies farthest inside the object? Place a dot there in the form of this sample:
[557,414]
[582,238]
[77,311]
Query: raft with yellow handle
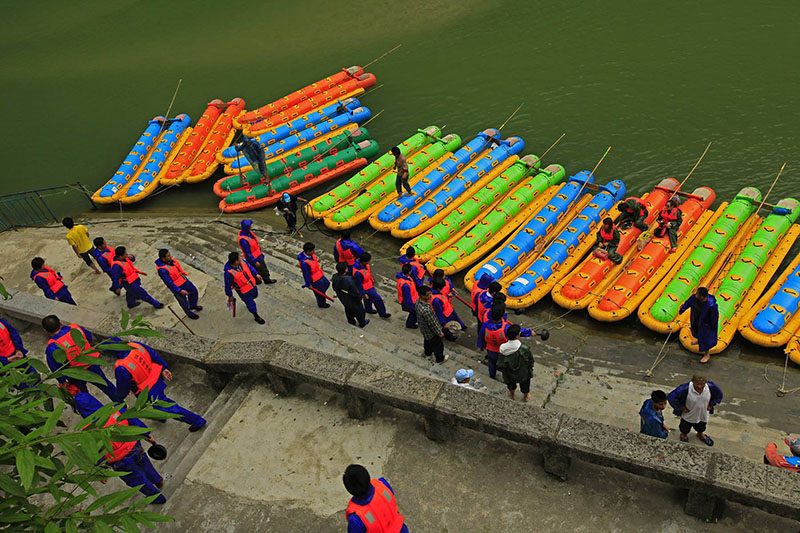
[727,229]
[195,139]
[221,136]
[775,319]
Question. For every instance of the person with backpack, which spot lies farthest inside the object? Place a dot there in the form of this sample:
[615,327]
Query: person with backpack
[516,364]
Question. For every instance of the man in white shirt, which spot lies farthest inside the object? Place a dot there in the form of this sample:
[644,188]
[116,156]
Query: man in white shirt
[694,402]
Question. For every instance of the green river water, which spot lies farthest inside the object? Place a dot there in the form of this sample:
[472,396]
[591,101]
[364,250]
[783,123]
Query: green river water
[656,81]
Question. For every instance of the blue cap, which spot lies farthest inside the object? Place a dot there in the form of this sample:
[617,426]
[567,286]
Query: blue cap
[464,373]
[286,197]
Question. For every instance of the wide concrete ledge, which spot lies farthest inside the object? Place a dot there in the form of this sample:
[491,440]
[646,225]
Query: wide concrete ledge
[711,477]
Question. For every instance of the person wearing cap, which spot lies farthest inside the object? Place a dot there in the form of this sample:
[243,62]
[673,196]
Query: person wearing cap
[128,457]
[251,251]
[652,415]
[12,349]
[463,377]
[313,277]
[516,364]
[50,281]
[372,507]
[177,281]
[694,402]
[429,326]
[287,206]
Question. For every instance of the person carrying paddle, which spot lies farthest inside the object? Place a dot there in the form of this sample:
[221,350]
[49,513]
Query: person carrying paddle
[401,169]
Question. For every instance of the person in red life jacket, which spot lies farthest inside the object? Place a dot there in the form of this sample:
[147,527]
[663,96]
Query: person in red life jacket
[344,285]
[127,457]
[372,508]
[61,341]
[484,303]
[498,302]
[448,285]
[104,256]
[12,349]
[240,275]
[251,250]
[479,288]
[669,220]
[140,368]
[373,303]
[313,276]
[346,250]
[407,295]
[445,311]
[418,271]
[608,240]
[177,281]
[633,213]
[493,334]
[125,275]
[50,282]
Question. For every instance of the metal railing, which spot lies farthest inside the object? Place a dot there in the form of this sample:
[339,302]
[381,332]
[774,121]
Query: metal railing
[30,208]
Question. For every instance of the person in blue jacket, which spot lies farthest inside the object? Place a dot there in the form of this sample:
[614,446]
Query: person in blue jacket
[407,295]
[177,281]
[703,321]
[140,368]
[63,339]
[652,417]
[694,402]
[251,250]
[104,255]
[126,457]
[417,271]
[362,273]
[313,277]
[445,311]
[347,250]
[125,275]
[240,275]
[12,349]
[372,502]
[493,334]
[50,282]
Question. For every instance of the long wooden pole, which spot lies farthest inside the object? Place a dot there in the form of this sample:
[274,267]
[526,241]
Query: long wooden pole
[771,187]
[692,171]
[592,172]
[503,125]
[552,146]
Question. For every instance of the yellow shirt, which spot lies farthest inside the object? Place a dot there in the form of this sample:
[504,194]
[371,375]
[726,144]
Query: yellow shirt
[79,236]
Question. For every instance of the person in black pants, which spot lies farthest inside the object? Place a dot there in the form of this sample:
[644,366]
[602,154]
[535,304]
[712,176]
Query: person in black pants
[429,325]
[287,206]
[346,290]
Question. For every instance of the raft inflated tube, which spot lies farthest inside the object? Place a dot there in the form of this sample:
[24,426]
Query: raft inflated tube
[351,116]
[594,273]
[382,191]
[193,143]
[457,190]
[148,179]
[220,138]
[739,290]
[650,265]
[435,179]
[659,311]
[775,320]
[340,195]
[132,163]
[552,263]
[300,179]
[284,165]
[325,84]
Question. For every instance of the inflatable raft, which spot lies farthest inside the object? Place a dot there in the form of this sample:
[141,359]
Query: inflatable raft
[659,311]
[535,277]
[648,268]
[347,191]
[220,137]
[338,85]
[775,319]
[196,138]
[300,179]
[481,145]
[738,289]
[455,244]
[456,191]
[383,191]
[594,273]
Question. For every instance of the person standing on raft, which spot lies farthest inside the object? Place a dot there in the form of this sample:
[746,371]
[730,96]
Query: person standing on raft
[177,281]
[248,242]
[669,220]
[608,240]
[401,169]
[633,213]
[313,276]
[254,153]
[240,275]
[703,321]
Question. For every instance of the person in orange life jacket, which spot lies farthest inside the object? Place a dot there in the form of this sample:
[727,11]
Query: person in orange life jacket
[104,255]
[479,288]
[176,280]
[407,295]
[50,282]
[483,303]
[493,334]
[12,349]
[140,368]
[287,206]
[241,276]
[124,274]
[373,303]
[313,275]
[448,285]
[248,242]
[633,213]
[127,457]
[347,250]
[444,309]
[498,302]
[669,220]
[608,240]
[372,508]
[348,294]
[418,271]
[60,341]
